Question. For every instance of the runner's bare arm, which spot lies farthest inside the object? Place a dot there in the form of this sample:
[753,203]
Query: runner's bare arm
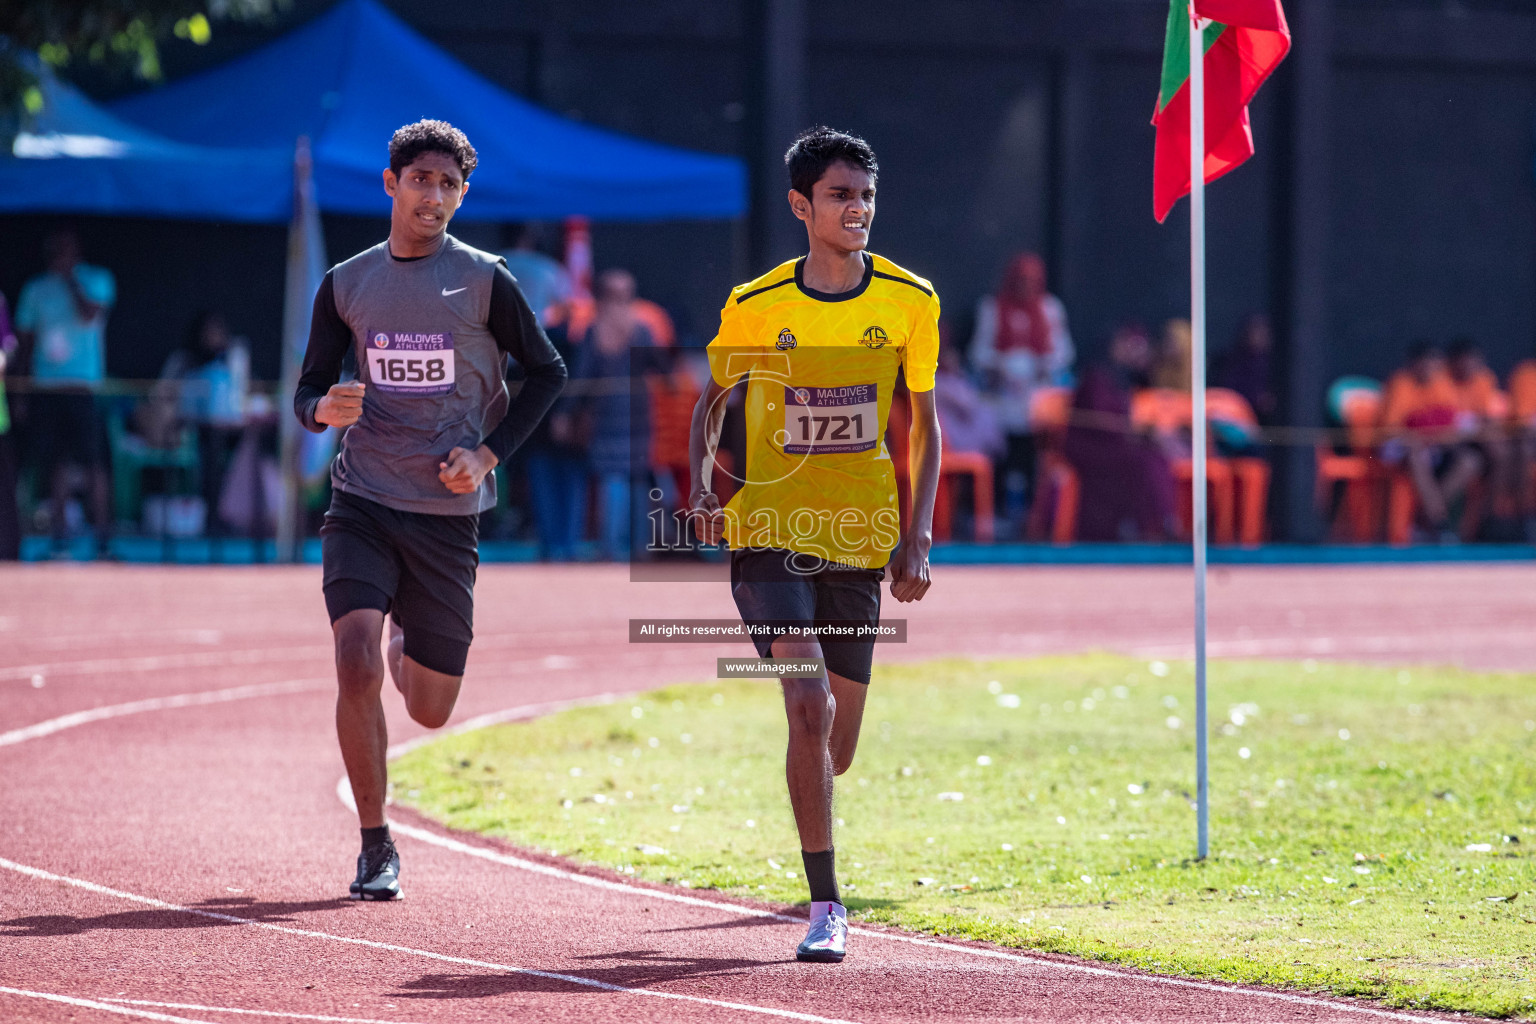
[909,569]
[703,441]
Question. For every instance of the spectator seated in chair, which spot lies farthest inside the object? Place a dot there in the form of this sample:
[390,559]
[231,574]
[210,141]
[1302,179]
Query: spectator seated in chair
[1429,438]
[1245,366]
[1522,426]
[972,435]
[1126,484]
[1483,409]
[210,379]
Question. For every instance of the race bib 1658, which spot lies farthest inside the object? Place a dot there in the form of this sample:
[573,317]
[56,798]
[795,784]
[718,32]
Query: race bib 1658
[410,363]
[824,421]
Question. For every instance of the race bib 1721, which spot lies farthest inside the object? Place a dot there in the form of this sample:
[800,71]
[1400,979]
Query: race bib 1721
[824,421]
[409,363]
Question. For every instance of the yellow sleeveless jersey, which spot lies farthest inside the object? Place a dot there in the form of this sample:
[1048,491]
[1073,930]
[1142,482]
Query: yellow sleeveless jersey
[821,367]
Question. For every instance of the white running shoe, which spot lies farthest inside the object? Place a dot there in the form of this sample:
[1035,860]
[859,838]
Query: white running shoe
[827,940]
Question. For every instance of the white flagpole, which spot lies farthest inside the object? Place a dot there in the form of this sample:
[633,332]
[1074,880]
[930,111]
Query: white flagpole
[1197,395]
[306,267]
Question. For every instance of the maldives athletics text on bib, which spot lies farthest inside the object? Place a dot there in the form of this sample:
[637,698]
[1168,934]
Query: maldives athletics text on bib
[825,421]
[409,363]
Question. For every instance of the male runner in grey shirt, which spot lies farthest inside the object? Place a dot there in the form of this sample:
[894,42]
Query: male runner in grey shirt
[431,323]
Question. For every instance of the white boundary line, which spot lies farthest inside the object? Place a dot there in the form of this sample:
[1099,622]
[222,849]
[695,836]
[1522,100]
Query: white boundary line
[157,662]
[527,711]
[572,979]
[181,700]
[502,717]
[254,1013]
[344,793]
[92,1004]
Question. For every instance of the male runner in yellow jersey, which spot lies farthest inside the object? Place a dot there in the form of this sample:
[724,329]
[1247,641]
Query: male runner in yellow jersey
[821,339]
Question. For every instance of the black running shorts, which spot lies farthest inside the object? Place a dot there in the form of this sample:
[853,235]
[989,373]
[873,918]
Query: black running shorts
[66,427]
[418,568]
[777,589]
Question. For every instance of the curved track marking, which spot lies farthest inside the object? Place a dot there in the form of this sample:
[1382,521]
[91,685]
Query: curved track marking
[161,662]
[238,693]
[389,947]
[1326,646]
[343,792]
[91,1004]
[181,700]
[502,717]
[254,1013]
[66,641]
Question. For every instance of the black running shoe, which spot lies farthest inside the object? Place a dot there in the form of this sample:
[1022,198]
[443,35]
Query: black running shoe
[378,874]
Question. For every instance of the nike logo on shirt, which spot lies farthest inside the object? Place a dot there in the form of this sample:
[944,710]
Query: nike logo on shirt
[456,291]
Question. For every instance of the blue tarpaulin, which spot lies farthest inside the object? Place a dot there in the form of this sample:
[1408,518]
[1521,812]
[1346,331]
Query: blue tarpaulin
[348,79]
[74,157]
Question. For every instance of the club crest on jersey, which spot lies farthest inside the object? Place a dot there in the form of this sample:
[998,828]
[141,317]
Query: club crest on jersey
[381,339]
[786,341]
[802,396]
[875,338]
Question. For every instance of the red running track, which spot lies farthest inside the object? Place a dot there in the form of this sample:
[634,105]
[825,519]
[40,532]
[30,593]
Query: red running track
[172,846]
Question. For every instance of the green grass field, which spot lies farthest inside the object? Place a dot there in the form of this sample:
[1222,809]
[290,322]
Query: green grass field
[1373,830]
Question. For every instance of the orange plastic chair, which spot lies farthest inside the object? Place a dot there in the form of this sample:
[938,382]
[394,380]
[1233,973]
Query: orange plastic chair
[1358,409]
[672,400]
[1250,473]
[1058,492]
[1166,410]
[979,468]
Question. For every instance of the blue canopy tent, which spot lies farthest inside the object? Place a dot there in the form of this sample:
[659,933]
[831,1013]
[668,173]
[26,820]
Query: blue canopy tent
[74,157]
[301,125]
[348,79]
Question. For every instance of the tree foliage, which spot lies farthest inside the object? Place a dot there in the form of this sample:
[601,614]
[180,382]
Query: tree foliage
[123,36]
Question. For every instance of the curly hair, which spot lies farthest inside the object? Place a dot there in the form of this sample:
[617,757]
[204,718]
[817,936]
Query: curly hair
[431,137]
[819,148]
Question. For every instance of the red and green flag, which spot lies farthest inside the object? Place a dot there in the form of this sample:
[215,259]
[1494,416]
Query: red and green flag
[1244,42]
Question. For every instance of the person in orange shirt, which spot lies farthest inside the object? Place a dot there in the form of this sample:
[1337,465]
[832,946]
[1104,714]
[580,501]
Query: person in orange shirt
[1429,436]
[1522,419]
[1482,410]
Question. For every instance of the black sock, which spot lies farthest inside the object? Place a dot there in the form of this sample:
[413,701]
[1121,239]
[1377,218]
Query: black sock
[375,836]
[821,873]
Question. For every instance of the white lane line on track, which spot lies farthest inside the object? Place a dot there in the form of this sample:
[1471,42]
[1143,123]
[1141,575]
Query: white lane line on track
[67,641]
[92,1004]
[572,979]
[344,793]
[254,1013]
[181,700]
[501,717]
[534,710]
[449,843]
[160,662]
[260,656]
[1338,647]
